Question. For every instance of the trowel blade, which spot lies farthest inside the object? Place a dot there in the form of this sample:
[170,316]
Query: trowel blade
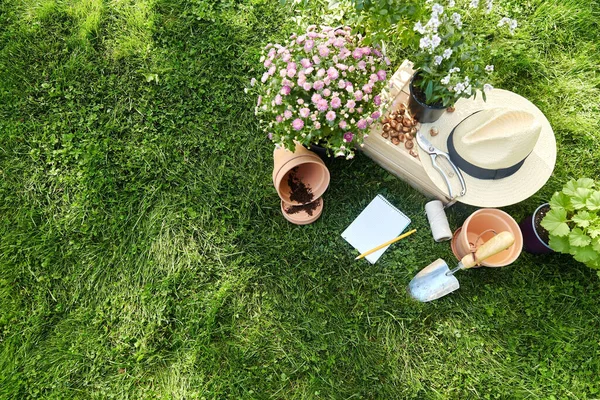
[432,282]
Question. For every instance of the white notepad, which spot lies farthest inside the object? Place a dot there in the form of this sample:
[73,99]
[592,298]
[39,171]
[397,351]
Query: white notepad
[379,222]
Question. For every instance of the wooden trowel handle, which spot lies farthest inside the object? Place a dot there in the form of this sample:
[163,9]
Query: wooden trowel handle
[495,245]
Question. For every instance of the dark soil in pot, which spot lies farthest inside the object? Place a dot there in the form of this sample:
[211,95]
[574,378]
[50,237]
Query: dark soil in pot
[299,192]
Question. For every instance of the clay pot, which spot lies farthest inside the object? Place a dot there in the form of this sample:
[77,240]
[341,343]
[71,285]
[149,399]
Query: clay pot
[302,217]
[311,171]
[478,229]
[532,243]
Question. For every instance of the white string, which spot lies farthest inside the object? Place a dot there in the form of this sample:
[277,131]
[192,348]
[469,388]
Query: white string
[440,229]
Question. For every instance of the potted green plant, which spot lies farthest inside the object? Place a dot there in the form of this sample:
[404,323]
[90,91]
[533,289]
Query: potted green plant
[450,50]
[573,222]
[321,87]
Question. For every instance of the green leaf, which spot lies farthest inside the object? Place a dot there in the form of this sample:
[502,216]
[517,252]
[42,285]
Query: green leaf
[585,183]
[560,200]
[594,231]
[580,198]
[429,91]
[593,202]
[583,219]
[578,238]
[571,187]
[555,222]
[596,244]
[584,254]
[560,244]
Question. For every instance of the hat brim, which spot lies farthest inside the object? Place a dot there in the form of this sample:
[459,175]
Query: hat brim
[530,178]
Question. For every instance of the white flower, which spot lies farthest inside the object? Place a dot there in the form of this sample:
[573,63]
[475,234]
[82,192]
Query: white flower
[253,82]
[474,4]
[424,43]
[467,80]
[445,80]
[453,70]
[487,87]
[349,156]
[489,5]
[435,41]
[489,68]
[433,23]
[451,3]
[468,90]
[419,28]
[340,154]
[456,18]
[459,88]
[437,60]
[512,24]
[437,9]
[447,53]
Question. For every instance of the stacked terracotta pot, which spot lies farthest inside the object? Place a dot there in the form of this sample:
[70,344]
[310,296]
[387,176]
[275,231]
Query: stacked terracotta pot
[300,178]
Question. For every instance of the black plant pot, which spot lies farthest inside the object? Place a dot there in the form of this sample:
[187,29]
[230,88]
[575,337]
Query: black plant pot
[418,108]
[325,154]
[532,242]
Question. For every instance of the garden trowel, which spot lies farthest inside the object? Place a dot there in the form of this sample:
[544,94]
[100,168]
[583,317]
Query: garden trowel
[437,280]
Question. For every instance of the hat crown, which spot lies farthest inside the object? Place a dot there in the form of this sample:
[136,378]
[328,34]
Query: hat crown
[496,138]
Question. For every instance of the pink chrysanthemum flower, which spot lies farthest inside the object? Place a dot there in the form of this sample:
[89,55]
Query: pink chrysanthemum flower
[304,112]
[333,73]
[318,85]
[322,105]
[286,90]
[336,102]
[348,136]
[330,116]
[297,124]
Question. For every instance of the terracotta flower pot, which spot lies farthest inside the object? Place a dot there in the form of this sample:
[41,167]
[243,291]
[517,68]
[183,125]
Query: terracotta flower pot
[306,167]
[419,109]
[302,215]
[479,228]
[532,242]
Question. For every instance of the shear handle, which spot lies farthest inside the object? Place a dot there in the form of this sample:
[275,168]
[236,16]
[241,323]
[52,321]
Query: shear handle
[456,171]
[441,171]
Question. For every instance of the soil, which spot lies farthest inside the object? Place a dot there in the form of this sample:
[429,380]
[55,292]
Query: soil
[542,233]
[299,192]
[308,208]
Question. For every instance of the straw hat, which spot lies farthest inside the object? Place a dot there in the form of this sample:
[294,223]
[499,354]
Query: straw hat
[505,148]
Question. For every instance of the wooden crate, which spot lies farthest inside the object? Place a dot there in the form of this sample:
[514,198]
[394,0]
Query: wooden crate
[397,159]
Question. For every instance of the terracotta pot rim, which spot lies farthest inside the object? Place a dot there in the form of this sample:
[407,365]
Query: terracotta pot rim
[302,221]
[285,167]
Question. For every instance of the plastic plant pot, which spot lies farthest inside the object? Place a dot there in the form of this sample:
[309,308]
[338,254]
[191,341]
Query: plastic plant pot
[532,242]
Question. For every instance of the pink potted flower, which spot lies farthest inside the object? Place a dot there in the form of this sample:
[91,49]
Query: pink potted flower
[322,87]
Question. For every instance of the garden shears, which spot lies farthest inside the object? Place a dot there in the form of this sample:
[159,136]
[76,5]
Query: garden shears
[434,153]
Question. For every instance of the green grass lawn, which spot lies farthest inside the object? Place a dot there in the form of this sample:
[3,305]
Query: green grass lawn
[143,253]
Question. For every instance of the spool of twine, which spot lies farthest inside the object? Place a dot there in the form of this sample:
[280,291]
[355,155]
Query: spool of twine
[438,221]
